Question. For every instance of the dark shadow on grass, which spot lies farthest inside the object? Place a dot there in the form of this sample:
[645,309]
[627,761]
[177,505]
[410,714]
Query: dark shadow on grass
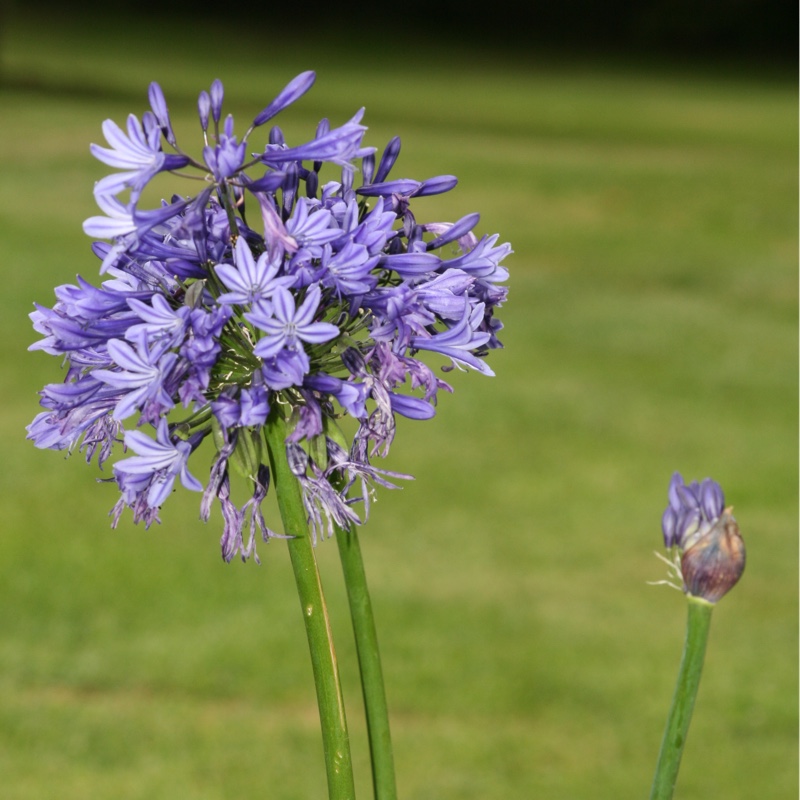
[52,87]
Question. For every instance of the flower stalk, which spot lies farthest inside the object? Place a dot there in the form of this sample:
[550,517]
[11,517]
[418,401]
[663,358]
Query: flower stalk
[708,558]
[680,713]
[336,742]
[369,663]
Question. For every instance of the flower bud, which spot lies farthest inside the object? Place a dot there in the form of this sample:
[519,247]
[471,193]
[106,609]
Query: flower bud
[715,561]
[700,530]
[216,95]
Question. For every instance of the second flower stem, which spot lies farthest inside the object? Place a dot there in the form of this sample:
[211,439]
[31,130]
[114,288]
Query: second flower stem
[369,662]
[336,742]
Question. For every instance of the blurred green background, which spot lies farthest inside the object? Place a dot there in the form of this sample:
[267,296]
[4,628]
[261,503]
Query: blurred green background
[651,327]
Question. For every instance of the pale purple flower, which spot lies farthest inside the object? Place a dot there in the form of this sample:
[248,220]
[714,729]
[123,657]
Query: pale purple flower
[251,279]
[326,507]
[338,146]
[227,410]
[410,265]
[141,374]
[77,411]
[231,539]
[458,230]
[162,325]
[158,104]
[293,91]
[286,326]
[355,467]
[288,368]
[250,515]
[351,396]
[254,406]
[348,271]
[401,186]
[126,224]
[482,258]
[388,159]
[398,193]
[458,341]
[446,294]
[204,109]
[227,156]
[311,227]
[158,462]
[65,334]
[88,302]
[138,152]
[119,219]
[276,237]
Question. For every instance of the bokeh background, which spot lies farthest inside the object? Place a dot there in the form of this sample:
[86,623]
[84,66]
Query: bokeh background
[643,163]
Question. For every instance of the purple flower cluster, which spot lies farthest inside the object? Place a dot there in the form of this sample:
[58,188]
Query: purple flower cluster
[273,290]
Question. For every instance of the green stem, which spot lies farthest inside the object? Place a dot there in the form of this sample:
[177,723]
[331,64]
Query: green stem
[680,714]
[369,662]
[335,738]
[225,198]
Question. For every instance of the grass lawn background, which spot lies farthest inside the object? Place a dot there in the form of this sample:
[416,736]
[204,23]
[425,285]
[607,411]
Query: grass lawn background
[651,326]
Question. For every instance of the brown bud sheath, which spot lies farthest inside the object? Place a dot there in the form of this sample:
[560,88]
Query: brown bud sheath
[712,565]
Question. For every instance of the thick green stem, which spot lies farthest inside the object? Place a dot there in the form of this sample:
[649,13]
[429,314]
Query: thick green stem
[335,738]
[369,662]
[680,714]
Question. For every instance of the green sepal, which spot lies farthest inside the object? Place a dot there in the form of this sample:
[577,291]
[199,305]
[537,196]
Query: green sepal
[216,434]
[194,294]
[332,430]
[318,450]
[197,422]
[248,455]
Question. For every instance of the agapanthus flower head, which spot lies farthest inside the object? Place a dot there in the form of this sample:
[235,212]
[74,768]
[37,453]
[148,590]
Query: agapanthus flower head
[282,288]
[710,553]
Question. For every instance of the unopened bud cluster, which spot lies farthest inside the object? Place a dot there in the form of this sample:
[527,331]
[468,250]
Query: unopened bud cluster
[705,533]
